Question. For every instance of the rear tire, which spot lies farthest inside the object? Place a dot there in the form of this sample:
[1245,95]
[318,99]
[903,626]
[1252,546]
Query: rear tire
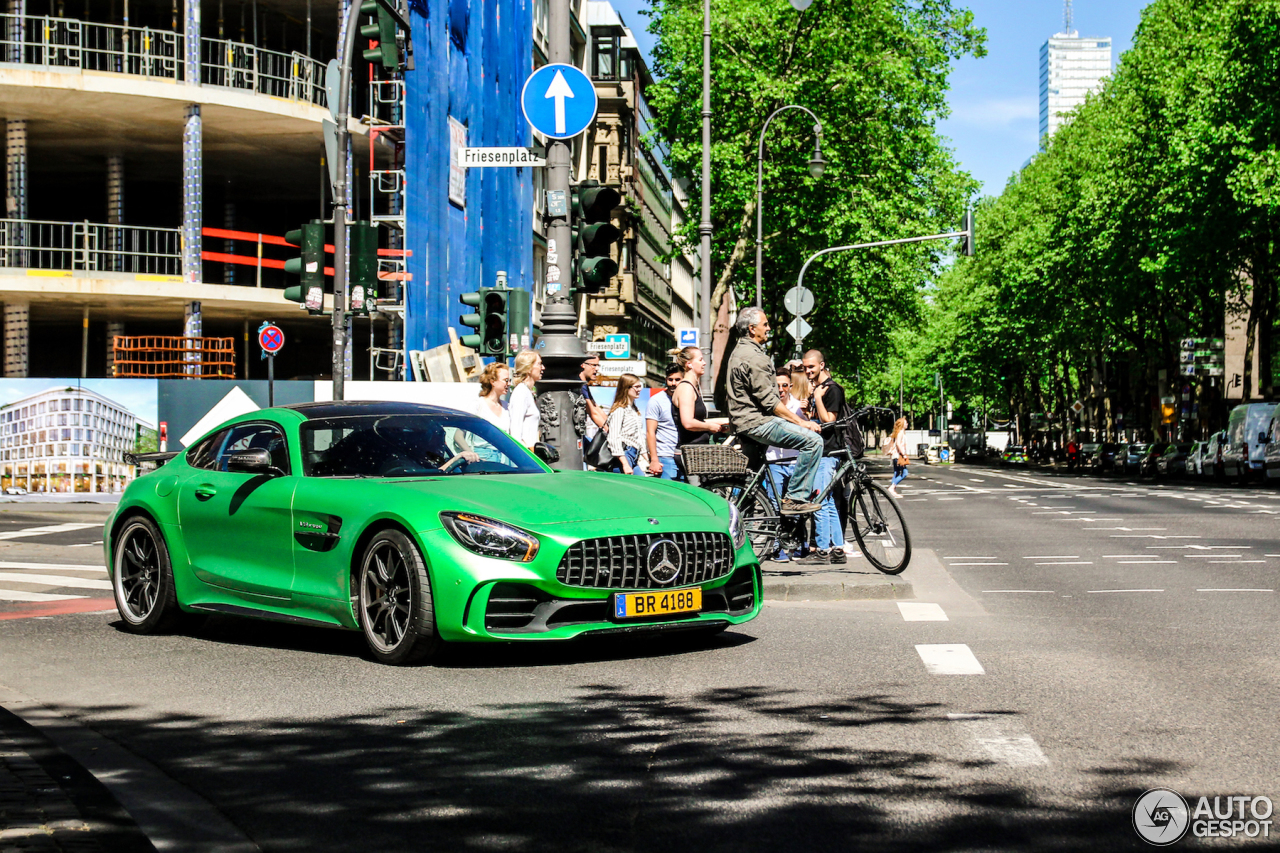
[393,601]
[142,579]
[880,530]
[760,519]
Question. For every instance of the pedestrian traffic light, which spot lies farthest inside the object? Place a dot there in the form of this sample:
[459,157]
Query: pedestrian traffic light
[966,242]
[364,266]
[392,40]
[594,236]
[309,266]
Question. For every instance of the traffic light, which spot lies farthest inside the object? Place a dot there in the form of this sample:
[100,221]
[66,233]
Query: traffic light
[364,266]
[493,309]
[966,242]
[309,266]
[594,236]
[473,320]
[393,41]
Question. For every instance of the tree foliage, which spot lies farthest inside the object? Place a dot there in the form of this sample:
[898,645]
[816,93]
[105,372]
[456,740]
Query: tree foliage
[875,73]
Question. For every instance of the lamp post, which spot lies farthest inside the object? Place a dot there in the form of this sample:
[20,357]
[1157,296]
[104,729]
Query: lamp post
[705,228]
[816,167]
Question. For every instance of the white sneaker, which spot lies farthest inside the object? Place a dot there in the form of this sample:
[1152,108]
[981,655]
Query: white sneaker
[851,549]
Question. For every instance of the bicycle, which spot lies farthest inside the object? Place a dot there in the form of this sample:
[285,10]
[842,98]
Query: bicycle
[874,518]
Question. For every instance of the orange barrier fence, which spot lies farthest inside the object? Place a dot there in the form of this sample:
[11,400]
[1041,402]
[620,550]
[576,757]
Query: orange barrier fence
[275,264]
[174,357]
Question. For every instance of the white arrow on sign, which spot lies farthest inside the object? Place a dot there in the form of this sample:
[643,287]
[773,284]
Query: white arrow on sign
[799,329]
[559,89]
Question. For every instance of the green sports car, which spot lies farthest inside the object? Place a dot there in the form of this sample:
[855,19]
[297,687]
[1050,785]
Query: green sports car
[418,525]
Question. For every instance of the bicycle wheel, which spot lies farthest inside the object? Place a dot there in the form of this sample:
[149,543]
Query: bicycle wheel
[880,529]
[759,518]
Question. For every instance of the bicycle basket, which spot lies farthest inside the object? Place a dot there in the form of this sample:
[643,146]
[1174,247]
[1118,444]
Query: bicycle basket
[703,459]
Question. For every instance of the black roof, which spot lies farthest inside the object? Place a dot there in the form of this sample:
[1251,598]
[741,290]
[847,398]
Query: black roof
[340,408]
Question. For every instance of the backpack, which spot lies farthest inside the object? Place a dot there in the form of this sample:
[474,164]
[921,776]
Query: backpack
[853,433]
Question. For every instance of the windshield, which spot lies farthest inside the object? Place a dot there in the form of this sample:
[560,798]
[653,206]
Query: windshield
[410,446]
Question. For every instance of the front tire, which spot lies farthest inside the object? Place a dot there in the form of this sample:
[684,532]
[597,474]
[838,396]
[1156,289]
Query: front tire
[393,600]
[880,529]
[143,579]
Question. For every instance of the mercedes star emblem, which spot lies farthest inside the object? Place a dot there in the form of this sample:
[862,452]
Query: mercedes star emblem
[665,561]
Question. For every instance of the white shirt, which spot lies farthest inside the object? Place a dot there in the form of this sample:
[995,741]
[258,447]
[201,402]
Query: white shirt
[783,454]
[522,408]
[502,421]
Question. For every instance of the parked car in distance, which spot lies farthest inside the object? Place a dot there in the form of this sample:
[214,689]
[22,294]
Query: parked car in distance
[1014,454]
[1194,456]
[1147,467]
[1129,458]
[1173,462]
[1101,460]
[1271,453]
[14,490]
[1211,458]
[1248,433]
[922,452]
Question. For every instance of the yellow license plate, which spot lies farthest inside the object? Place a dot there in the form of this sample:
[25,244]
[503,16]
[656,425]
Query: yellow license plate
[631,605]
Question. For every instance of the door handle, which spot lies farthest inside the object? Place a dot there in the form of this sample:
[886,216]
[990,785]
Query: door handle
[205,491]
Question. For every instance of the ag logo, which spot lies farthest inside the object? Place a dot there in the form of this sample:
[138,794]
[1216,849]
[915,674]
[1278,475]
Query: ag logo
[665,561]
[1161,817]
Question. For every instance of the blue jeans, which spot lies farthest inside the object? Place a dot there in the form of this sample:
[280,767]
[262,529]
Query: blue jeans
[899,473]
[779,473]
[670,468]
[633,459]
[779,433]
[826,521]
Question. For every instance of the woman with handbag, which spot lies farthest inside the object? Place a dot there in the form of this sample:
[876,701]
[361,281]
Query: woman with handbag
[896,446]
[625,427]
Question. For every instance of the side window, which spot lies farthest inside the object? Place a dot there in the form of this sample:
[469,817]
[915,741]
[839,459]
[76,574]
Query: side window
[255,436]
[205,454]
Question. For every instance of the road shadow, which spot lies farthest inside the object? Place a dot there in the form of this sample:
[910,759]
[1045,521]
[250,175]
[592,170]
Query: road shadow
[613,769]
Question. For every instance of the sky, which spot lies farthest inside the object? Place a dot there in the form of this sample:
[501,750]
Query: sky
[995,101]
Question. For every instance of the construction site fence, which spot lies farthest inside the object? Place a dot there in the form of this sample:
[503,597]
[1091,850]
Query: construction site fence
[173,357]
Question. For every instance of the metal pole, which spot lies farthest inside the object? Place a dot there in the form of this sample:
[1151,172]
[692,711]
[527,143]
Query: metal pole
[704,229]
[349,31]
[560,347]
[84,345]
[760,192]
[818,254]
[271,380]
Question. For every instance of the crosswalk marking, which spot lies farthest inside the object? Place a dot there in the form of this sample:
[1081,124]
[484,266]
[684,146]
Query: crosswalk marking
[18,595]
[61,581]
[46,529]
[1001,739]
[949,659]
[918,611]
[66,567]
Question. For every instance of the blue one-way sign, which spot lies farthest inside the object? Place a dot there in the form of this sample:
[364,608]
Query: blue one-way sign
[559,101]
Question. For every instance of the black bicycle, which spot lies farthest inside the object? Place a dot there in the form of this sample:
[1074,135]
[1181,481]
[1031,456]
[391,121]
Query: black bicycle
[875,521]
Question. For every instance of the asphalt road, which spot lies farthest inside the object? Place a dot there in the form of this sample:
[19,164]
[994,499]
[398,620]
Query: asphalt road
[1073,643]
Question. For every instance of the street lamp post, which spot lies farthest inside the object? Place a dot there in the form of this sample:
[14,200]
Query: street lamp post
[704,228]
[816,167]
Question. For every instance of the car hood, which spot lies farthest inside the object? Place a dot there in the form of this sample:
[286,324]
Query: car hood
[537,500]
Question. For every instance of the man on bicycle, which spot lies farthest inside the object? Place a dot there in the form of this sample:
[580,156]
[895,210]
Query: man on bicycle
[757,412]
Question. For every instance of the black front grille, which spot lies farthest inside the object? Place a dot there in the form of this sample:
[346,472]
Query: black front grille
[619,562]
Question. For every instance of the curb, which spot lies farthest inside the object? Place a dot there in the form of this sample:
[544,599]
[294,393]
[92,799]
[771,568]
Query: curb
[835,590]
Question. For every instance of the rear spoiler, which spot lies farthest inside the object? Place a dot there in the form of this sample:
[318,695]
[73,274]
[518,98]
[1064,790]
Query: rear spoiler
[154,459]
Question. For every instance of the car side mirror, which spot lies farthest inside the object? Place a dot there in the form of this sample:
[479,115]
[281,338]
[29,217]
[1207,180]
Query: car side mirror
[546,453]
[256,460]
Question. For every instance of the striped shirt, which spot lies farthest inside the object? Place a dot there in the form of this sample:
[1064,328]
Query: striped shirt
[626,429]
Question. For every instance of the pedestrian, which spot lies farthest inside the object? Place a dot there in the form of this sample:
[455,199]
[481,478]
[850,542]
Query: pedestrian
[781,459]
[626,428]
[800,390]
[523,406]
[827,403]
[687,408]
[588,415]
[756,410]
[896,447]
[493,385]
[661,434]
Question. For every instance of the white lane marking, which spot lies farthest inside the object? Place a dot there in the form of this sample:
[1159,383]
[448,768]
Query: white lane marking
[968,558]
[1128,556]
[976,480]
[1236,562]
[55,580]
[1085,563]
[1125,590]
[919,611]
[949,659]
[1235,590]
[1018,590]
[1002,739]
[979,564]
[948,499]
[15,595]
[1054,557]
[66,567]
[1271,555]
[1207,556]
[1090,520]
[47,529]
[86,544]
[1147,562]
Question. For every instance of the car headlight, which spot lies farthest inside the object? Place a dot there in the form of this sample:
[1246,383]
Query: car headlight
[736,529]
[490,538]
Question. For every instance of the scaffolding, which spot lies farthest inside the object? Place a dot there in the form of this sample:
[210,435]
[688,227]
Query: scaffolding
[174,357]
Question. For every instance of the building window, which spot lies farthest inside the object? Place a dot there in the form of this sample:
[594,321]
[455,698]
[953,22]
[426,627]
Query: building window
[66,404]
[604,55]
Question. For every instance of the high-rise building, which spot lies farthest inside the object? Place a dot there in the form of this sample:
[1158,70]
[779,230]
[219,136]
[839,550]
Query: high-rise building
[1071,66]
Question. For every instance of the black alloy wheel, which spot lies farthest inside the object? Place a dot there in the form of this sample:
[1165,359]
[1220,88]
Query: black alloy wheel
[142,579]
[393,602]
